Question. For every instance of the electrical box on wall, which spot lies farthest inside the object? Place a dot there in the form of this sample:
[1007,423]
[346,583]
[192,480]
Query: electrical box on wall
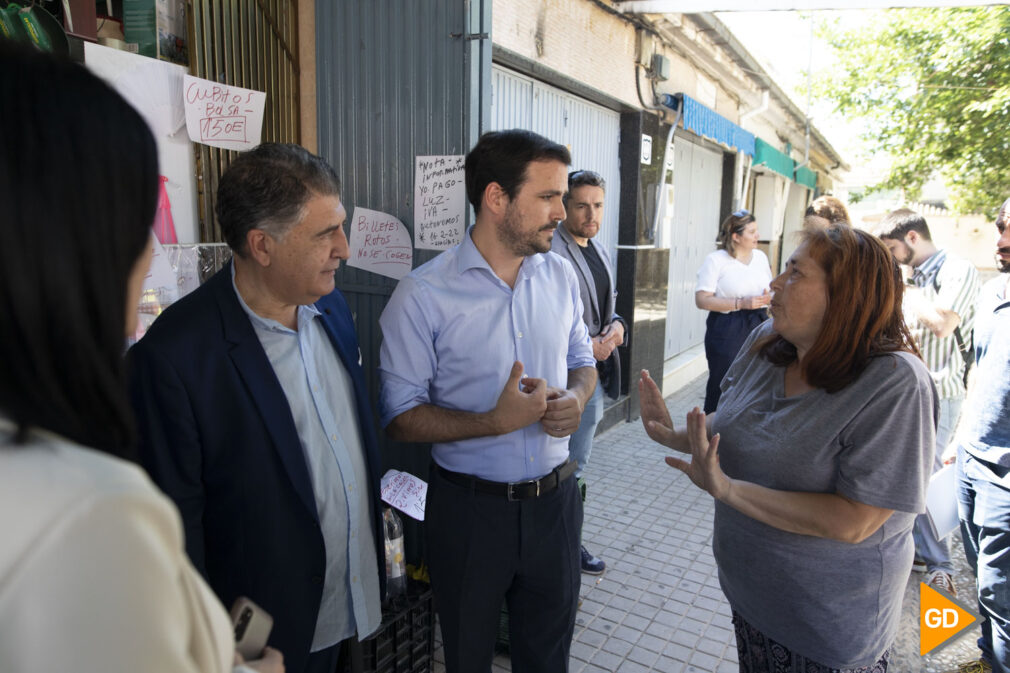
[659,69]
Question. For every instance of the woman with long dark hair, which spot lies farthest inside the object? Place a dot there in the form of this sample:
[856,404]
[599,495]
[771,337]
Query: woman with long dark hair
[93,575]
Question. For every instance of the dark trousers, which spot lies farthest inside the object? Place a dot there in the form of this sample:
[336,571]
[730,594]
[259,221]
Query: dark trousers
[724,335]
[483,551]
[984,509]
[332,659]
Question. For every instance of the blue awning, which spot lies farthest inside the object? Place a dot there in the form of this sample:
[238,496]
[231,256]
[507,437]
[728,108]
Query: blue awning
[712,125]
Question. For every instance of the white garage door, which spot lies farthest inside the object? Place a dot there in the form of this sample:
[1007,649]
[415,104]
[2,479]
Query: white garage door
[690,234]
[590,132]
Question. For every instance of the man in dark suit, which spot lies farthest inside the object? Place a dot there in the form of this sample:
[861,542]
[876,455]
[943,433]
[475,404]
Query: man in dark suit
[254,418]
[574,241]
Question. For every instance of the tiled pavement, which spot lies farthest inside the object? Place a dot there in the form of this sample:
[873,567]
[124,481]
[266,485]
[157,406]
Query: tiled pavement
[658,607]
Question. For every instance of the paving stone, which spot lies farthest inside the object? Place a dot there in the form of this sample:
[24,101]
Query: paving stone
[628,666]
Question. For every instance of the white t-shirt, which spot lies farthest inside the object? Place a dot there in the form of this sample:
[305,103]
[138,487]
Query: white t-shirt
[727,276]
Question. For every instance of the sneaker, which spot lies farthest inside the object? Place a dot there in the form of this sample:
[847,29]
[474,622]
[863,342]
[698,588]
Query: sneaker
[941,581]
[919,565]
[977,666]
[592,565]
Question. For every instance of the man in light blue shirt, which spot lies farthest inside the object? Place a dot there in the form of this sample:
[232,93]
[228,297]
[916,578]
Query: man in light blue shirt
[254,417]
[486,356]
[983,462]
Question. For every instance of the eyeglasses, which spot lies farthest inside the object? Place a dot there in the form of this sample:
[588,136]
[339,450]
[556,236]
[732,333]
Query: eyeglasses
[743,212]
[583,178]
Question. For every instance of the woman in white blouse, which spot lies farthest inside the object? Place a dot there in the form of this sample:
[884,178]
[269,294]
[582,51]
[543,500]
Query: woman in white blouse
[93,572]
[733,287]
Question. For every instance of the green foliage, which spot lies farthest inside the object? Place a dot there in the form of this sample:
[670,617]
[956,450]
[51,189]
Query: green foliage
[932,88]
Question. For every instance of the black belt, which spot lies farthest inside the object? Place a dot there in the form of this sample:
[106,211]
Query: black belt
[515,490]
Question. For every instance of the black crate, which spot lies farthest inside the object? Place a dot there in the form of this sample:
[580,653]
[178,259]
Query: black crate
[405,642]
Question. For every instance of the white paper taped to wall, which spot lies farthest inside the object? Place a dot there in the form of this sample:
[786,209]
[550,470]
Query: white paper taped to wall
[219,115]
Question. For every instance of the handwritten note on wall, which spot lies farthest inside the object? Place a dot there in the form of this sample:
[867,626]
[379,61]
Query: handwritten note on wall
[223,116]
[379,243]
[405,492]
[439,202]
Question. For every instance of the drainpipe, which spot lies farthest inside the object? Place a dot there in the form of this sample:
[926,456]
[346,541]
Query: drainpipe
[758,110]
[810,83]
[677,104]
[743,187]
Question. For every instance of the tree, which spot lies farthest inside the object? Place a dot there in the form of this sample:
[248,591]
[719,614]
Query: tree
[933,89]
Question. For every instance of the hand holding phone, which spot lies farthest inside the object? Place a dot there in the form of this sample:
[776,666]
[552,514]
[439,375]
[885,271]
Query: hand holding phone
[252,628]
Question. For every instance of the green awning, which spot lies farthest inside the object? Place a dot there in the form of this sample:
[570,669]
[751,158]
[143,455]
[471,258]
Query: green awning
[806,177]
[768,156]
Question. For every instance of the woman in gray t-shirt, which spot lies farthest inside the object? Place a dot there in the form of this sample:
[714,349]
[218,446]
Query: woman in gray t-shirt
[818,458]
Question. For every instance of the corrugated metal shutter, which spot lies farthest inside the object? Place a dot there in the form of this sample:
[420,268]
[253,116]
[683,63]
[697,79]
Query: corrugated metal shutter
[395,79]
[591,132]
[251,45]
[511,100]
[697,181]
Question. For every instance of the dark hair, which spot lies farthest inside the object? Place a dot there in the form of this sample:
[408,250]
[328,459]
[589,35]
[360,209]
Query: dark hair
[502,157]
[897,223]
[830,208]
[78,183]
[863,316]
[734,224]
[578,179]
[267,188]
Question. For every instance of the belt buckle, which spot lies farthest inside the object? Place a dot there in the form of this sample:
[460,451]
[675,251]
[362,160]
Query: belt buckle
[513,484]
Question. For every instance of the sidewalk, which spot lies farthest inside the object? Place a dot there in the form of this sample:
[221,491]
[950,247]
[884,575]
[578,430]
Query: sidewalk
[658,607]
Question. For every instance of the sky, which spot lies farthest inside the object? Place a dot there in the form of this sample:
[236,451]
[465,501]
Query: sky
[782,41]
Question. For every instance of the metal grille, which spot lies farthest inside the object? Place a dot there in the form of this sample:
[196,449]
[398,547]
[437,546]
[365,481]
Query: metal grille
[253,45]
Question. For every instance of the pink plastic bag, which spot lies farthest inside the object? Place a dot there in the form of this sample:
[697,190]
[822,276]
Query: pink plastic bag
[164,226]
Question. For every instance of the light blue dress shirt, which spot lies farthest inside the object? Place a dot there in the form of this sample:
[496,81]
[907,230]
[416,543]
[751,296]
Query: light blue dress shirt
[320,394]
[985,416]
[452,330]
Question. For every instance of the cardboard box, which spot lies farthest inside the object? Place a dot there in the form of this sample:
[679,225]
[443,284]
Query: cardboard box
[158,27]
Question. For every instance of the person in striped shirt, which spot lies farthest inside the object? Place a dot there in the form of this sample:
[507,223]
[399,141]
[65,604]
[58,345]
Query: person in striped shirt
[939,302]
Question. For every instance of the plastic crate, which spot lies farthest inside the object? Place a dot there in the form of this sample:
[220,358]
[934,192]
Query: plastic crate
[405,642]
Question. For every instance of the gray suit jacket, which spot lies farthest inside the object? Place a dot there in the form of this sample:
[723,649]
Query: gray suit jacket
[595,318]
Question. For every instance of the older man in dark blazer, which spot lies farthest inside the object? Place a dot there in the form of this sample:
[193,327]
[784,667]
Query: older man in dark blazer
[573,240]
[254,418]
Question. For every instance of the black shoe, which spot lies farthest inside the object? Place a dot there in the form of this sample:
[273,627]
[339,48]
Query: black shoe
[592,565]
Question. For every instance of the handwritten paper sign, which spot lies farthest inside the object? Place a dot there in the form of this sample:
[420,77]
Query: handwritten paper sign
[439,202]
[223,116]
[405,492]
[380,244]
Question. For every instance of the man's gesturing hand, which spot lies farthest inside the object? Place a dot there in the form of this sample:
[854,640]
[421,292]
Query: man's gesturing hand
[564,412]
[516,408]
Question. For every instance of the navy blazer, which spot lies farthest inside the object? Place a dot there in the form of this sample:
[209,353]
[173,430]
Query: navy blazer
[217,435]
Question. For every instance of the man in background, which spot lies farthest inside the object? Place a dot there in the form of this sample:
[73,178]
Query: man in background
[983,462]
[574,241]
[939,309]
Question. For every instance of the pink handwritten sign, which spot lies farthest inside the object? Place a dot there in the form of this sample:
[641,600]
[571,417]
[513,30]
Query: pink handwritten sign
[405,492]
[379,243]
[219,115]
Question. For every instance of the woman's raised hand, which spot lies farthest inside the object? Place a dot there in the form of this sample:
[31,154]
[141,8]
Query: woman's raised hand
[703,469]
[655,417]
